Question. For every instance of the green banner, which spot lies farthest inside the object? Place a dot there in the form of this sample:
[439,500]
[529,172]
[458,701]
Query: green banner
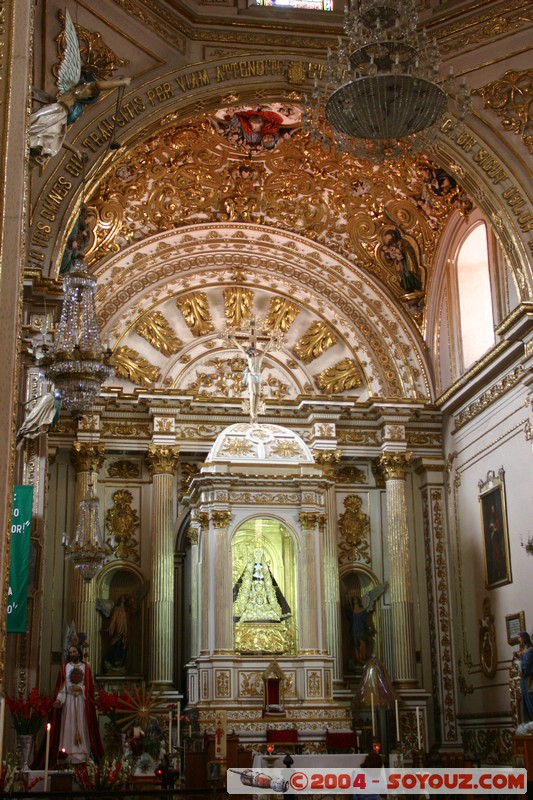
[17,599]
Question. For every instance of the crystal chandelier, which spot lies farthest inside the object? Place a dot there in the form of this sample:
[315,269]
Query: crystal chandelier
[87,550]
[384,95]
[77,363]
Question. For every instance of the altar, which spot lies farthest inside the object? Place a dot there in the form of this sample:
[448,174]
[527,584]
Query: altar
[310,761]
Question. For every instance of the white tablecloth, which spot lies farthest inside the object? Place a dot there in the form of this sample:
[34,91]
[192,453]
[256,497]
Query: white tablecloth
[334,760]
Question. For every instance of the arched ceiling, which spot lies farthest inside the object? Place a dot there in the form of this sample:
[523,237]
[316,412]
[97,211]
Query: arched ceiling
[202,224]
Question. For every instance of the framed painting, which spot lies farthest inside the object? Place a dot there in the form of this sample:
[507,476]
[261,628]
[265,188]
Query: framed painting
[495,532]
[514,623]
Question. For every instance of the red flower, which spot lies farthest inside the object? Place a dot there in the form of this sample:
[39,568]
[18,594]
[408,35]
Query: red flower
[28,714]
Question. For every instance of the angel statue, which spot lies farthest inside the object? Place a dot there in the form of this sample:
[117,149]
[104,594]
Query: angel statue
[359,608]
[42,418]
[77,88]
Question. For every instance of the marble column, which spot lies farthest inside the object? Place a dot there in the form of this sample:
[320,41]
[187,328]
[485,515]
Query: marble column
[394,466]
[192,536]
[222,590]
[162,461]
[87,459]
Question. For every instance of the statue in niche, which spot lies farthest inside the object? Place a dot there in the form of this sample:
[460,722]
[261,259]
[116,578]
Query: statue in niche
[488,652]
[117,631]
[359,596]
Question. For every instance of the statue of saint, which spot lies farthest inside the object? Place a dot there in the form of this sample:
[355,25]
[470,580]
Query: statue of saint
[257,595]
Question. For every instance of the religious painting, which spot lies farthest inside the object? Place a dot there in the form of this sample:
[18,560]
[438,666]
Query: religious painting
[255,129]
[495,533]
[514,624]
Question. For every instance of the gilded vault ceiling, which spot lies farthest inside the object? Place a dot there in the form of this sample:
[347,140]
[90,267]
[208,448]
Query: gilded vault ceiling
[241,213]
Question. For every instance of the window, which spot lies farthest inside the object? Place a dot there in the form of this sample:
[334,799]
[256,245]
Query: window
[475,299]
[319,5]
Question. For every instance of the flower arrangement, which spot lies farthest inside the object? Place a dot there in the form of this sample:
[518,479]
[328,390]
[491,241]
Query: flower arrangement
[110,704]
[111,775]
[28,715]
[8,775]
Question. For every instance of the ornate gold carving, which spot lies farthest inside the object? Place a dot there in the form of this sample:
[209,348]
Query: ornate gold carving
[220,519]
[87,457]
[123,468]
[251,684]
[187,473]
[157,330]
[488,648]
[489,397]
[131,365]
[238,305]
[96,56]
[347,473]
[203,519]
[510,98]
[281,314]
[162,459]
[354,527]
[315,341]
[265,498]
[341,377]
[125,429]
[222,683]
[378,473]
[367,437]
[286,449]
[196,313]
[328,459]
[237,447]
[264,637]
[121,521]
[491,745]
[395,465]
[314,684]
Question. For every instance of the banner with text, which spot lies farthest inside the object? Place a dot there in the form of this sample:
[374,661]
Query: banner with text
[17,599]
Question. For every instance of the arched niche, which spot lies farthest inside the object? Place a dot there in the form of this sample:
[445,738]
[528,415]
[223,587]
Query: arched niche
[121,593]
[264,579]
[361,620]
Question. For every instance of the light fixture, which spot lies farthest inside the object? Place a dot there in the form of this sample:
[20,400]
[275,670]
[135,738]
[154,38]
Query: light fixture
[384,95]
[78,363]
[87,550]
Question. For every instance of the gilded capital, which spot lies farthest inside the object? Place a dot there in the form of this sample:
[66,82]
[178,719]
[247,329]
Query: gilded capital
[395,465]
[192,535]
[203,518]
[162,459]
[220,519]
[327,459]
[87,457]
[309,520]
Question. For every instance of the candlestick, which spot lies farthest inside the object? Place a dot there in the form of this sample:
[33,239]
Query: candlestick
[2,719]
[47,756]
[178,733]
[170,730]
[372,713]
[190,731]
[397,720]
[418,728]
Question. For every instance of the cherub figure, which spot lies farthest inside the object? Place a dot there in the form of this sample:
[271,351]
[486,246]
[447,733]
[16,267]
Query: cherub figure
[77,88]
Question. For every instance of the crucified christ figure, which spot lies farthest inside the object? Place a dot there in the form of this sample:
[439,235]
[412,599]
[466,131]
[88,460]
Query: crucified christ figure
[251,377]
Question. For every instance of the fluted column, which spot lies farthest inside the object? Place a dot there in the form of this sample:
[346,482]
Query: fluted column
[332,599]
[221,582]
[394,466]
[87,460]
[162,461]
[192,536]
[311,585]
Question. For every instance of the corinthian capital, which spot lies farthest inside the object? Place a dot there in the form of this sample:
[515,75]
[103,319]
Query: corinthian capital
[328,459]
[395,465]
[87,457]
[220,519]
[162,459]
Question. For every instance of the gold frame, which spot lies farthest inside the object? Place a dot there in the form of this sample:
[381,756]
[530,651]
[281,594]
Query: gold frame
[496,550]
[520,619]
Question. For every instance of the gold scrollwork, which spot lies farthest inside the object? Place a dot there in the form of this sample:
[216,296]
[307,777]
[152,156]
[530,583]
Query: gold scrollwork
[354,527]
[238,305]
[281,314]
[121,521]
[131,365]
[222,683]
[158,332]
[510,98]
[315,341]
[196,313]
[341,377]
[123,468]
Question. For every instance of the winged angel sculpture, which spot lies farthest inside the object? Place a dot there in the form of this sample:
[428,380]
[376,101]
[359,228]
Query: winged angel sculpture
[77,89]
[359,610]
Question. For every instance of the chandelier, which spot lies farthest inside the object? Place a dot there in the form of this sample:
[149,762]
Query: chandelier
[384,95]
[87,550]
[77,363]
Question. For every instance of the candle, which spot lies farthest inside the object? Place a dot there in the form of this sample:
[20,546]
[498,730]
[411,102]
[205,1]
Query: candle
[47,757]
[170,730]
[190,731]
[2,718]
[419,738]
[372,713]
[397,720]
[179,726]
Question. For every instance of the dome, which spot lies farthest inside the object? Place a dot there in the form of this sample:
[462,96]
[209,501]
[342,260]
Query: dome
[253,443]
